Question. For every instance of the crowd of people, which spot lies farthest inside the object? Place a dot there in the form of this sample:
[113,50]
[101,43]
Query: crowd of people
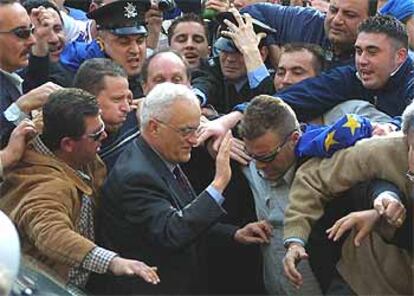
[268,149]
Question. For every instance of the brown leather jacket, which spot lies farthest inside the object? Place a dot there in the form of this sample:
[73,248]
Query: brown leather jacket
[42,195]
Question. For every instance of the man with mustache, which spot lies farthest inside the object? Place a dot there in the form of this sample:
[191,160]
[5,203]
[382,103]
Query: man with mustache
[18,44]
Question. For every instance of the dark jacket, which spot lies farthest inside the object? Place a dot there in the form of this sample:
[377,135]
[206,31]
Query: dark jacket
[222,94]
[146,215]
[312,97]
[295,24]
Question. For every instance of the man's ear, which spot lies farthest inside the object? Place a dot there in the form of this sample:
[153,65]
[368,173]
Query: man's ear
[67,145]
[401,55]
[264,52]
[153,128]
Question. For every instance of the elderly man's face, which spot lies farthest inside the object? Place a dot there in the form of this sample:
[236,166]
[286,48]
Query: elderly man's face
[232,65]
[14,50]
[376,58]
[342,21]
[165,67]
[177,136]
[129,51]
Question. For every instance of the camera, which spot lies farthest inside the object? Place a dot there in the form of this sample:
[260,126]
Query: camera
[165,5]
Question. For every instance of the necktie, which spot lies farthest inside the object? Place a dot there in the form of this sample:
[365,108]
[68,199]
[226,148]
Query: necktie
[183,181]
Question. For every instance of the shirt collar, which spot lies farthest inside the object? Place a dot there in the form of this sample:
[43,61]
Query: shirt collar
[15,79]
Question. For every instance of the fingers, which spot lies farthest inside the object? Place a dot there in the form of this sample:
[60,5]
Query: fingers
[260,233]
[340,227]
[290,260]
[149,274]
[267,227]
[238,152]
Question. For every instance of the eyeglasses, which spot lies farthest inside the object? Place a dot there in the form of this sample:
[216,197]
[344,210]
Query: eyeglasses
[184,132]
[20,32]
[273,154]
[410,176]
[98,135]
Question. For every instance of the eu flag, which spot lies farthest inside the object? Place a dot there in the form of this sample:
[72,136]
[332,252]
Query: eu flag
[324,141]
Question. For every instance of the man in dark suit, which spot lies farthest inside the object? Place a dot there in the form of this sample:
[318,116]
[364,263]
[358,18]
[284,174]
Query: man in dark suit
[149,209]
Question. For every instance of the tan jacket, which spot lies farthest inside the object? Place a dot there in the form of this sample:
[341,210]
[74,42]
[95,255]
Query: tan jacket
[43,198]
[319,180]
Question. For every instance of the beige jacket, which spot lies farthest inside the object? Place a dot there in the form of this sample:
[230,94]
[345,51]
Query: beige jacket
[374,264]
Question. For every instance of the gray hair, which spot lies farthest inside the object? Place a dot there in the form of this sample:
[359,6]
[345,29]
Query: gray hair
[159,100]
[408,118]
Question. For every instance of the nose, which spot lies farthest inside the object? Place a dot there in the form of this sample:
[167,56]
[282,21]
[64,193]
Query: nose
[260,165]
[193,139]
[362,58]
[189,43]
[53,38]
[287,79]
[337,19]
[31,40]
[125,106]
[134,48]
[104,135]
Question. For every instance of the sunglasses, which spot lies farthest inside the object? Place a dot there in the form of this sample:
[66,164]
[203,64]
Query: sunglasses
[21,32]
[273,154]
[410,176]
[98,135]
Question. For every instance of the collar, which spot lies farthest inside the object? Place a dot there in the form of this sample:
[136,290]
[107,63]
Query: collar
[40,147]
[238,85]
[14,78]
[287,178]
[171,166]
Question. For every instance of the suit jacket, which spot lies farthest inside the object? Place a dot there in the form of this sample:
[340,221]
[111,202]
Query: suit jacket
[146,215]
[8,94]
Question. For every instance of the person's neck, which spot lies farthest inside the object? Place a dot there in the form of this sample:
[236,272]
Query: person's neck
[67,159]
[342,49]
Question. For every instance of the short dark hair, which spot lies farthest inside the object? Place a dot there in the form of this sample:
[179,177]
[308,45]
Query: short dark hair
[64,115]
[266,113]
[91,74]
[145,67]
[318,61]
[186,18]
[30,4]
[388,25]
[6,2]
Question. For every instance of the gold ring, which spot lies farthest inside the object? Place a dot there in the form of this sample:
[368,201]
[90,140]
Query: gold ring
[400,221]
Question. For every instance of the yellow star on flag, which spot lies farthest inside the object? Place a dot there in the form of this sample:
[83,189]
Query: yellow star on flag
[352,123]
[329,140]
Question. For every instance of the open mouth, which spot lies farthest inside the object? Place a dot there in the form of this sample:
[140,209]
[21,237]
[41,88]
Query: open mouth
[133,62]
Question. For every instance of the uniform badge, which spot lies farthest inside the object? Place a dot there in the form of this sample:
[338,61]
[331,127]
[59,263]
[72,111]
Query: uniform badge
[130,11]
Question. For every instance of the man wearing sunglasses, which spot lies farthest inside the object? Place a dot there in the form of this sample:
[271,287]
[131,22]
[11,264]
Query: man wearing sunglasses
[277,145]
[54,208]
[17,44]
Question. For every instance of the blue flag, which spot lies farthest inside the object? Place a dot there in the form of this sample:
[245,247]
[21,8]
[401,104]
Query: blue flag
[324,141]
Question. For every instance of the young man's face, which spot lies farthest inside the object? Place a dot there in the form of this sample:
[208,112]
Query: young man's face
[129,51]
[189,39]
[342,21]
[56,39]
[294,67]
[376,57]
